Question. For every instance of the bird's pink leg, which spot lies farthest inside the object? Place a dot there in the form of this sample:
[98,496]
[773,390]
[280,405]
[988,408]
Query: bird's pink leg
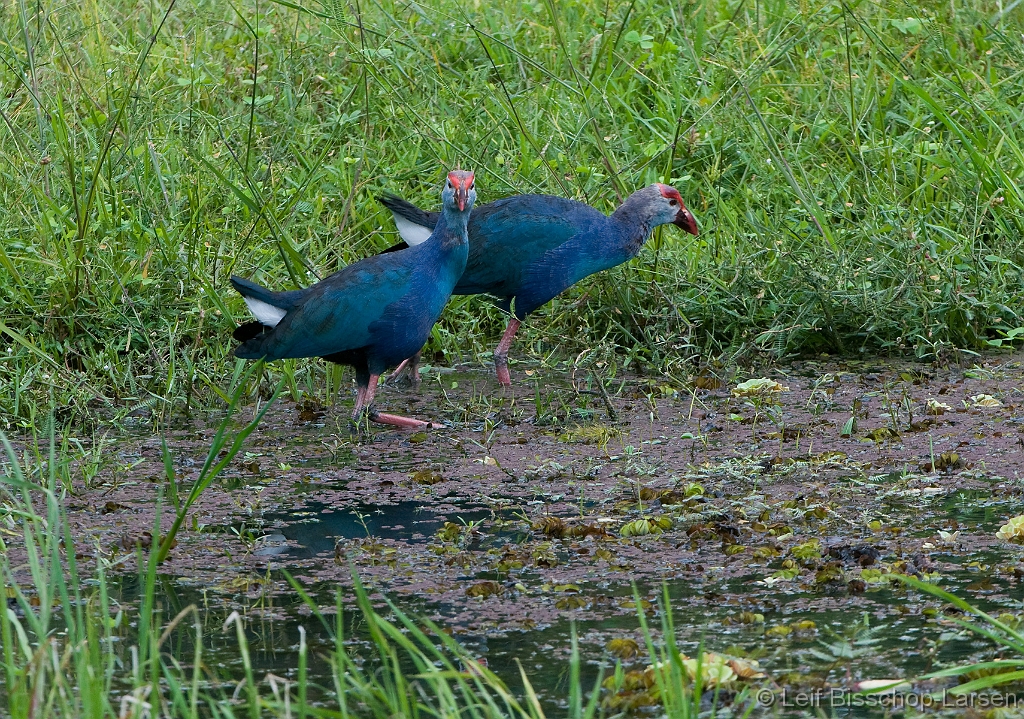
[501,352]
[392,419]
[360,403]
[411,368]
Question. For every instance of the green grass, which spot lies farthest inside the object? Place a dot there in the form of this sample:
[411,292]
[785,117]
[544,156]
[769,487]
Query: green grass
[855,169]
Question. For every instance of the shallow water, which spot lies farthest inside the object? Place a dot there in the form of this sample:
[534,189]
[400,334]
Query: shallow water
[518,491]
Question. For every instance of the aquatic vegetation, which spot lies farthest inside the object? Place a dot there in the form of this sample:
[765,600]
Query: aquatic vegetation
[762,387]
[1013,530]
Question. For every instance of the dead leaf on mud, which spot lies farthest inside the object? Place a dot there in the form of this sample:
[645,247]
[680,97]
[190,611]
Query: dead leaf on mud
[936,408]
[985,401]
[881,434]
[110,507]
[706,382]
[946,460]
[758,388]
[310,411]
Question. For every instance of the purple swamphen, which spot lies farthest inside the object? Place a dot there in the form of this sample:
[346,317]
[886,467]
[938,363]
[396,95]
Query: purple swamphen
[531,248]
[372,314]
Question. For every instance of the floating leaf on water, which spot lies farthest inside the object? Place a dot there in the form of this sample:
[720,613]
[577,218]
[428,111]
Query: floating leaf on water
[484,589]
[716,670]
[748,618]
[734,549]
[746,669]
[758,388]
[573,601]
[631,681]
[1010,620]
[638,528]
[808,550]
[544,557]
[630,603]
[551,526]
[936,408]
[779,630]
[427,476]
[623,648]
[1013,530]
[449,532]
[804,625]
[985,400]
[831,572]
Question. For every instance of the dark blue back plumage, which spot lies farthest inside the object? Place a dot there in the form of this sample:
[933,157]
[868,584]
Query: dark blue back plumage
[531,248]
[371,314]
[528,249]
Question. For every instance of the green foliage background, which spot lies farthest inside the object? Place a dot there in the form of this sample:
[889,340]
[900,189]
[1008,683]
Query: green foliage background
[854,168]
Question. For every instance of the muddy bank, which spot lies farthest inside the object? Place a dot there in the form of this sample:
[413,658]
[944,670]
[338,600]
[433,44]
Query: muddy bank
[771,518]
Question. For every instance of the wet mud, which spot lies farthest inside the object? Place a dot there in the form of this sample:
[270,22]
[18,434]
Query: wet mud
[774,519]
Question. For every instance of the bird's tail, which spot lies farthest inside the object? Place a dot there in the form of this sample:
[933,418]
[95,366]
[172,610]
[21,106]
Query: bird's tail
[267,307]
[250,290]
[414,224]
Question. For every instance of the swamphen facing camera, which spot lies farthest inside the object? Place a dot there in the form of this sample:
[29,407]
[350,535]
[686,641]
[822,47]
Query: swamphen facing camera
[370,315]
[530,248]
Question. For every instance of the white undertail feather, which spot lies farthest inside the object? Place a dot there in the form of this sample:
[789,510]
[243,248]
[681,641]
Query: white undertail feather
[265,313]
[412,233]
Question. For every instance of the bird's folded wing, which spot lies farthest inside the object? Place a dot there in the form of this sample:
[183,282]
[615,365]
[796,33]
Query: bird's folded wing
[337,313]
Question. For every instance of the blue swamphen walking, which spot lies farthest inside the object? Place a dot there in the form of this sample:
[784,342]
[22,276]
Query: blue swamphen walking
[372,314]
[531,248]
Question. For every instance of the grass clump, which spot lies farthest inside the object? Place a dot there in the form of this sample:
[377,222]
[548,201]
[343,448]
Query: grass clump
[855,169]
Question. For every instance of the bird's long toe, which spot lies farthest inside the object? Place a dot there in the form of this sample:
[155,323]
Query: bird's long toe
[398,421]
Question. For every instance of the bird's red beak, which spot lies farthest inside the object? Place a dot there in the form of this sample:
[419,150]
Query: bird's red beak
[686,220]
[462,181]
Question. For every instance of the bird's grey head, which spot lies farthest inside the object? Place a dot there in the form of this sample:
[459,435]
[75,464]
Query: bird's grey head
[458,193]
[666,205]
